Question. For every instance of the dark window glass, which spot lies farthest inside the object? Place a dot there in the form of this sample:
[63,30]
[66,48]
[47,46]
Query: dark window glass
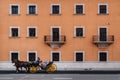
[79,56]
[32,9]
[79,32]
[103,56]
[103,9]
[14,10]
[55,9]
[55,56]
[14,56]
[14,32]
[32,56]
[55,35]
[103,34]
[32,32]
[79,9]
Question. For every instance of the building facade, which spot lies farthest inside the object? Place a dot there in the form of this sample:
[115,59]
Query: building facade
[76,34]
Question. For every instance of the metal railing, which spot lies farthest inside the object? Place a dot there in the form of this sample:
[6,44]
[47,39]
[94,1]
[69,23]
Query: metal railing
[49,38]
[109,38]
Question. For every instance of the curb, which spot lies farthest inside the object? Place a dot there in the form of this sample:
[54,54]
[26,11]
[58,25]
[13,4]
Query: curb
[62,72]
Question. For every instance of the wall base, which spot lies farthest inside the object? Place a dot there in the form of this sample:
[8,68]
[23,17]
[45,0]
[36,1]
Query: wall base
[73,66]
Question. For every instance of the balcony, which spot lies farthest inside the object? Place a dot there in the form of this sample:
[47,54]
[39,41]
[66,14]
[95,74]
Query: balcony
[103,41]
[55,42]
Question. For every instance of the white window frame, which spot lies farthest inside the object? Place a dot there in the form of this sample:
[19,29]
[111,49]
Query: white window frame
[10,30]
[59,55]
[99,31]
[14,52]
[79,4]
[32,5]
[55,5]
[99,56]
[10,10]
[31,27]
[78,52]
[99,7]
[79,27]
[51,31]
[31,52]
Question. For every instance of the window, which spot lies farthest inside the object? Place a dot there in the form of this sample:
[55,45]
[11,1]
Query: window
[55,32]
[103,9]
[32,55]
[14,55]
[32,9]
[79,55]
[102,56]
[55,9]
[14,9]
[103,33]
[32,32]
[14,32]
[55,56]
[79,9]
[79,31]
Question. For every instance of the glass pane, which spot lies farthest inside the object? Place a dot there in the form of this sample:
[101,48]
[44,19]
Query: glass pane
[55,56]
[55,9]
[14,56]
[14,32]
[103,56]
[55,34]
[79,56]
[79,32]
[103,9]
[103,34]
[32,57]
[14,10]
[79,9]
[32,32]
[32,9]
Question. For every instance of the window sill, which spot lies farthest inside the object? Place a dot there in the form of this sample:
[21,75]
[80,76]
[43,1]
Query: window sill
[14,37]
[102,14]
[32,37]
[79,37]
[102,61]
[14,14]
[32,14]
[78,14]
[55,14]
[79,61]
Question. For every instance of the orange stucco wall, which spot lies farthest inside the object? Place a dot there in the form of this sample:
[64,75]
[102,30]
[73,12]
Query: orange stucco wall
[67,20]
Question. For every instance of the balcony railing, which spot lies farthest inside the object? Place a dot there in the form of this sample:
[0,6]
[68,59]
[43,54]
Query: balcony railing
[103,40]
[55,41]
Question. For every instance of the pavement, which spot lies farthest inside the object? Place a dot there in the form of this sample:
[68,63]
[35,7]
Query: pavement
[61,75]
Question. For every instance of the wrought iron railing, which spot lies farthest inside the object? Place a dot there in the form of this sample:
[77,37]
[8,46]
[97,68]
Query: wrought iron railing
[49,38]
[109,38]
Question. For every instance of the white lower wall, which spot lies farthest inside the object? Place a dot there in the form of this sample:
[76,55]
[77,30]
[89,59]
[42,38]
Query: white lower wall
[73,66]
[7,66]
[88,65]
